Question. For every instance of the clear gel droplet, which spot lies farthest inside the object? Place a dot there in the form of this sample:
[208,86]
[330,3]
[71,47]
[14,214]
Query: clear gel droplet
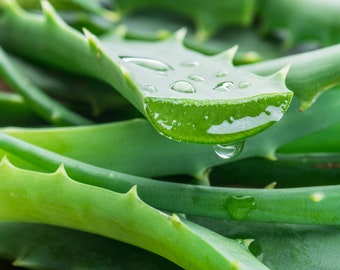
[228,151]
[222,73]
[243,85]
[196,78]
[183,87]
[147,63]
[224,86]
[150,89]
[240,206]
[190,63]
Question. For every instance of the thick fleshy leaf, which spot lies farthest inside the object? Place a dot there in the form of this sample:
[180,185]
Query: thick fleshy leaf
[186,96]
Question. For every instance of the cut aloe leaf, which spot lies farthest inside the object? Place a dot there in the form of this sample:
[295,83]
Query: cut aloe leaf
[185,95]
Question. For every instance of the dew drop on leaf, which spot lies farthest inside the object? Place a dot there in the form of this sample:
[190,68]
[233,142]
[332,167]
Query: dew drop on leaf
[190,63]
[147,63]
[240,206]
[228,151]
[243,85]
[222,73]
[183,87]
[196,78]
[224,86]
[150,89]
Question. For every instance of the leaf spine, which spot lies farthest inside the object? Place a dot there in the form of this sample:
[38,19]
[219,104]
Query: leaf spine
[228,54]
[50,13]
[180,35]
[132,193]
[93,41]
[175,220]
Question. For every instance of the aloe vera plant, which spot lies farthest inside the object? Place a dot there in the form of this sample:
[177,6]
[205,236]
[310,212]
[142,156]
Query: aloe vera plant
[156,126]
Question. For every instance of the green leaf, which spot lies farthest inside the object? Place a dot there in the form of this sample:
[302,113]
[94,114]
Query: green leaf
[53,198]
[209,17]
[284,246]
[185,95]
[307,205]
[39,101]
[15,112]
[308,21]
[311,73]
[41,246]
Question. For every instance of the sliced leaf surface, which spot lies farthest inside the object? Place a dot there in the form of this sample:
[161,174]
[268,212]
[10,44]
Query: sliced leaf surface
[185,95]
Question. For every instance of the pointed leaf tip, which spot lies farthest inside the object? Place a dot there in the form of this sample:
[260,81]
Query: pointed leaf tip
[175,220]
[4,161]
[61,170]
[121,31]
[282,73]
[50,13]
[133,192]
[181,34]
[228,54]
[93,41]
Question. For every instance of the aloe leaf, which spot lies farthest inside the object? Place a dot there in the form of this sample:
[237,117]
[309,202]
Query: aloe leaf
[311,73]
[185,96]
[284,246]
[297,125]
[111,152]
[41,246]
[209,17]
[55,199]
[311,142]
[182,158]
[286,171]
[308,205]
[307,21]
[15,112]
[40,102]
[60,84]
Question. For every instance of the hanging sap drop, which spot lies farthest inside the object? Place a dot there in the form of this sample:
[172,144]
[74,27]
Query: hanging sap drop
[228,151]
[147,63]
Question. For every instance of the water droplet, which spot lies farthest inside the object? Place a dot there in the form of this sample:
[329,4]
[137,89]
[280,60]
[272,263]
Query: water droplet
[162,73]
[183,87]
[240,206]
[222,73]
[244,243]
[196,78]
[190,63]
[147,63]
[224,86]
[150,89]
[228,151]
[243,85]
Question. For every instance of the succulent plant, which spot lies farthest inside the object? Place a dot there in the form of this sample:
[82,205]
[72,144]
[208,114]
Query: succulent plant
[140,127]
